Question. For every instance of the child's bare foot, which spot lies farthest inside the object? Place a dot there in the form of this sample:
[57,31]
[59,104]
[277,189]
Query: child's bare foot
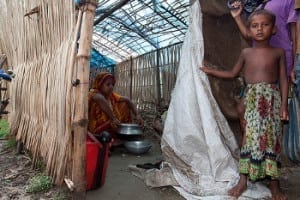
[157,125]
[276,191]
[239,188]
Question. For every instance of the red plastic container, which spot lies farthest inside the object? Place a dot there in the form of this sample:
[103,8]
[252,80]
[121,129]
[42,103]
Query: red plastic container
[96,162]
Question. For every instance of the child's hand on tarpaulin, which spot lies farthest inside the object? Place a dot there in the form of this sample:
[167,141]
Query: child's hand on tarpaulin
[204,68]
[234,4]
[236,7]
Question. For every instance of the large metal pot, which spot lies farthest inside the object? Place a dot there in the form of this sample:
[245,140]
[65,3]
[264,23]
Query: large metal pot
[129,129]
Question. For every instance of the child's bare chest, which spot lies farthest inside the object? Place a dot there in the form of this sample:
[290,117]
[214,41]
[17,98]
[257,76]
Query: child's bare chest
[262,59]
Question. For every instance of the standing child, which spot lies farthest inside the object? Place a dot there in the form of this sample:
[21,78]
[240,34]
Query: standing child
[266,104]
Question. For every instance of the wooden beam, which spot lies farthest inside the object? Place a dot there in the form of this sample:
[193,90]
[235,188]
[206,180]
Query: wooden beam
[163,17]
[175,16]
[137,31]
[81,100]
[111,11]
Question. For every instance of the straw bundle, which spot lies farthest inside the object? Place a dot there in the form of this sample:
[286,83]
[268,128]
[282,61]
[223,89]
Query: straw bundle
[40,49]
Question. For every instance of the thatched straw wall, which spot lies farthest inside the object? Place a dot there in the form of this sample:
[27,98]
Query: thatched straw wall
[39,49]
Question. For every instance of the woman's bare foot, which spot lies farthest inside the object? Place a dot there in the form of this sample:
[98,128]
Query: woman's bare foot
[239,188]
[117,142]
[276,191]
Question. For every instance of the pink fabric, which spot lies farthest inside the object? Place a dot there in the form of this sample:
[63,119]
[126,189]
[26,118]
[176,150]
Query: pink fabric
[285,14]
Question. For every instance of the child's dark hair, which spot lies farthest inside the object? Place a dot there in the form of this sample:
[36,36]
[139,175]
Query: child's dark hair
[267,13]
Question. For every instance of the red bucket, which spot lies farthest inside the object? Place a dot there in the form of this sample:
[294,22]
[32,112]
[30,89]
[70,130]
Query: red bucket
[96,162]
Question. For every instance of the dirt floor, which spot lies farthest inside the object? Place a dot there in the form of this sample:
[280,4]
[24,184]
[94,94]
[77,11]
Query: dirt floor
[120,184]
[15,174]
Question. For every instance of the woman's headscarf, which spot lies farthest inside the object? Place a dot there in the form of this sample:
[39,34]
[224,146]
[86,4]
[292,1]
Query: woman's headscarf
[101,78]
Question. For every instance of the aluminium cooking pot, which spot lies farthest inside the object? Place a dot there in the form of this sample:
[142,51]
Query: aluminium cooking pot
[129,129]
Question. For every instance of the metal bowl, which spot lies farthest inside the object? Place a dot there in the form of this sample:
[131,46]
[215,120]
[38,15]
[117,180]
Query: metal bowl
[138,147]
[129,129]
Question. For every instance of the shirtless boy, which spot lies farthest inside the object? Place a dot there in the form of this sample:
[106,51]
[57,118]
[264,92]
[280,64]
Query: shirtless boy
[266,104]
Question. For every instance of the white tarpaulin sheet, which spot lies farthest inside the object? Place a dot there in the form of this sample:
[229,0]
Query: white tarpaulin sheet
[197,140]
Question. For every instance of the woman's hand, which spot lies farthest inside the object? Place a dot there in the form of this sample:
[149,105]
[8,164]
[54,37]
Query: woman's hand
[114,123]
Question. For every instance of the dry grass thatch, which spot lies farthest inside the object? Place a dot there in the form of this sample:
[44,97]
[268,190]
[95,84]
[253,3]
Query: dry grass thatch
[40,49]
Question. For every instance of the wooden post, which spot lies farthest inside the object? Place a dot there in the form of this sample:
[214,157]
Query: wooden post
[81,102]
[158,82]
[131,75]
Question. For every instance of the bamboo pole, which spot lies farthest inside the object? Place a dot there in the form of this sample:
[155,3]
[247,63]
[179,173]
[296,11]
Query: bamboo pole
[131,80]
[158,78]
[81,104]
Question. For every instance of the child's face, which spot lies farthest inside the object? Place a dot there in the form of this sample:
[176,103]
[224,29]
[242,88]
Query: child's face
[107,87]
[261,27]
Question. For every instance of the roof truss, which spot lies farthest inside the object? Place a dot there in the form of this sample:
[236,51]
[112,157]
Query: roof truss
[133,27]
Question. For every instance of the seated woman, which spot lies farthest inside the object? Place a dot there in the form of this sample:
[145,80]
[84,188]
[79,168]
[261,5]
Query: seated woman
[108,109]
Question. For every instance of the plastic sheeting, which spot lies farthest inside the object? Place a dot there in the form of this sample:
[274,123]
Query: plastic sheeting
[197,140]
[99,61]
[291,132]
